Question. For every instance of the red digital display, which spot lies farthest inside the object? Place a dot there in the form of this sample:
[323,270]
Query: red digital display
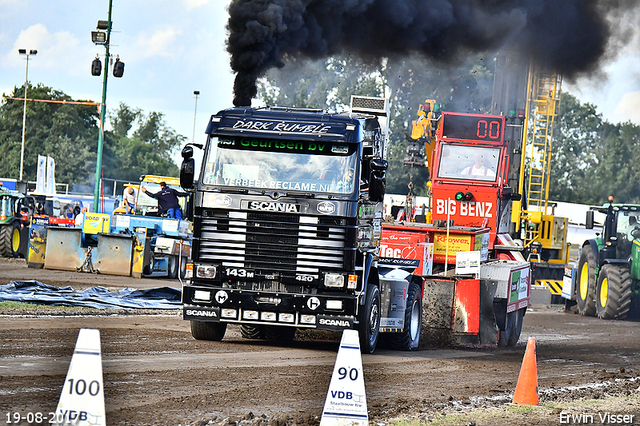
[483,128]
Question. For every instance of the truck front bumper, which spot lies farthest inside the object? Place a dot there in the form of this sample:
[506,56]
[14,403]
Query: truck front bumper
[320,311]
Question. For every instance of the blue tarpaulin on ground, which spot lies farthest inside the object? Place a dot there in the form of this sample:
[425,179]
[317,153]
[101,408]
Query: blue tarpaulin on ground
[94,297]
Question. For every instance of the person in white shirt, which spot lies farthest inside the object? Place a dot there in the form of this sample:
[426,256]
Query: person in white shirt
[79,221]
[478,168]
[129,197]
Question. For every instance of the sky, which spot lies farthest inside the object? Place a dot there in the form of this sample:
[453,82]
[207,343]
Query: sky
[170,48]
[173,47]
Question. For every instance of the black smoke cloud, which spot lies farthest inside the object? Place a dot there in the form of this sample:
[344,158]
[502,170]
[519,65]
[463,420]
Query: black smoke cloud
[568,36]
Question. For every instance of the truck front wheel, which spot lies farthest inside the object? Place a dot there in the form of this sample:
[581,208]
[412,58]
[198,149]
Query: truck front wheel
[208,330]
[586,283]
[369,319]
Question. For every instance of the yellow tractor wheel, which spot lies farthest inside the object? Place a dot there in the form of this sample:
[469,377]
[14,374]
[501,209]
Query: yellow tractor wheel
[586,285]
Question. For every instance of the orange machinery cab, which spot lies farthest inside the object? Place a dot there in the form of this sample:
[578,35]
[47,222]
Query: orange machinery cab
[469,173]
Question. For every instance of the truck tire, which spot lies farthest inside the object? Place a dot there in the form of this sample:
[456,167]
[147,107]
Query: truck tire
[613,292]
[252,331]
[586,283]
[177,265]
[504,335]
[409,339]
[369,319]
[208,330]
[279,334]
[514,336]
[183,267]
[173,267]
[513,328]
[10,239]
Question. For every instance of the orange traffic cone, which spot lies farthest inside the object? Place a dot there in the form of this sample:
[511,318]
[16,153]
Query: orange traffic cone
[527,387]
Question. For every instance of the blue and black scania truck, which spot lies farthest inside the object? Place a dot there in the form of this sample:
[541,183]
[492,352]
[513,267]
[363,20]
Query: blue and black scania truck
[287,213]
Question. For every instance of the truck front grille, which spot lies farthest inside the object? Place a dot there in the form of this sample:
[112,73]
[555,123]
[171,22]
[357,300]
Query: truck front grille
[266,241]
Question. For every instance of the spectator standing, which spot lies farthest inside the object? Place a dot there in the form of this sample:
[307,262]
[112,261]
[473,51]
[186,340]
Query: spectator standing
[129,197]
[167,200]
[79,220]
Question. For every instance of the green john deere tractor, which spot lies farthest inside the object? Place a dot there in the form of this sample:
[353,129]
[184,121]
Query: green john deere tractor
[608,276]
[15,213]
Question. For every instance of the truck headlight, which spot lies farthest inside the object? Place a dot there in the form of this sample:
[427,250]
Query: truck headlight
[250,315]
[202,295]
[206,271]
[268,316]
[334,304]
[307,319]
[334,280]
[286,317]
[229,313]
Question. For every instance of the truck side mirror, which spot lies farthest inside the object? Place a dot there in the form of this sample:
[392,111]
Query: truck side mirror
[589,220]
[187,169]
[377,180]
[187,152]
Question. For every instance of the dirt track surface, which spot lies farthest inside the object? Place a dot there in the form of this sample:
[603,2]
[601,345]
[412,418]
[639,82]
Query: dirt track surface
[155,373]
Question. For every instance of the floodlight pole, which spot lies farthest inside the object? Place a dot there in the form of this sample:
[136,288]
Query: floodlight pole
[103,108]
[195,109]
[24,112]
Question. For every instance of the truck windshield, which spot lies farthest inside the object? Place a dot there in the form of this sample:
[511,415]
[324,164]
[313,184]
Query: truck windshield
[468,162]
[318,167]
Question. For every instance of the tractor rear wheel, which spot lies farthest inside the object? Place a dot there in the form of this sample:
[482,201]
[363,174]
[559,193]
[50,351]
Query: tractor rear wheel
[208,330]
[613,293]
[10,239]
[586,283]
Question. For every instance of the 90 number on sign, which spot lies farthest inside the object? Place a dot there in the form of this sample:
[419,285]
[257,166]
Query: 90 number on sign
[351,373]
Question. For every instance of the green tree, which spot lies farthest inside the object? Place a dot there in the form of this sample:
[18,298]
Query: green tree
[64,131]
[574,156]
[145,150]
[138,144]
[123,119]
[592,158]
[615,168]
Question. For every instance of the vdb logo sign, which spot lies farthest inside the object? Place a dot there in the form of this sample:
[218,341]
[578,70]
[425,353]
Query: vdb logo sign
[326,207]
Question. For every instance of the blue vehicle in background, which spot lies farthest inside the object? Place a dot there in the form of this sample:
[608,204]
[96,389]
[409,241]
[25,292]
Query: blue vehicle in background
[142,244]
[167,242]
